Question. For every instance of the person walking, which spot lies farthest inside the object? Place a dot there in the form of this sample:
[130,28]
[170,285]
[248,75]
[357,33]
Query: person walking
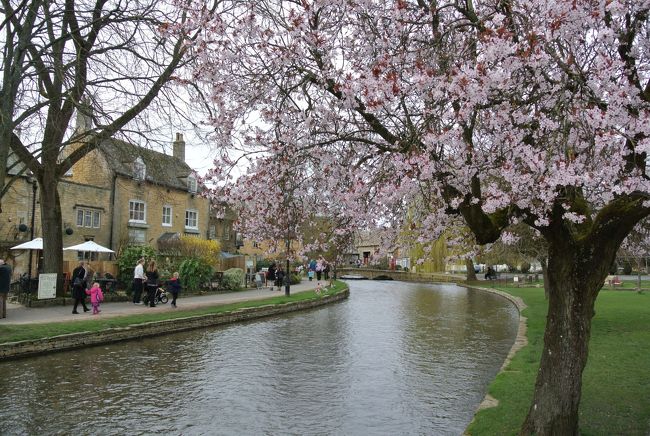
[152,282]
[96,297]
[319,267]
[270,275]
[326,270]
[174,285]
[279,278]
[5,284]
[138,281]
[79,286]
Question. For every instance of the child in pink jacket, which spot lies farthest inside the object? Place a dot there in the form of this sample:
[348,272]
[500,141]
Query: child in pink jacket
[96,297]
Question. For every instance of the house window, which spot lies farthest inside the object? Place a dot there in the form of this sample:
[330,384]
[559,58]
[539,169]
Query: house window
[212,232]
[191,184]
[167,216]
[87,255]
[226,233]
[137,236]
[191,219]
[137,211]
[139,169]
[88,218]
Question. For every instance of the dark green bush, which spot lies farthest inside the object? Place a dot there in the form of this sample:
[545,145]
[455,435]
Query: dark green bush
[127,261]
[525,267]
[194,273]
[627,268]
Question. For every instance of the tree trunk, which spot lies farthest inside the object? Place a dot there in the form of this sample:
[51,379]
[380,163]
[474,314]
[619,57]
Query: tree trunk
[573,284]
[471,274]
[51,221]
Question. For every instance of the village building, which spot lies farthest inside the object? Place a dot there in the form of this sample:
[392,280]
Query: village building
[117,195]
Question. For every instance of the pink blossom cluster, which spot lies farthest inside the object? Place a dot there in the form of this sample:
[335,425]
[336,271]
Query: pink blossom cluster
[360,110]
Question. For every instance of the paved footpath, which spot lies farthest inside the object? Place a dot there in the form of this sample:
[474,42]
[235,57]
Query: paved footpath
[19,314]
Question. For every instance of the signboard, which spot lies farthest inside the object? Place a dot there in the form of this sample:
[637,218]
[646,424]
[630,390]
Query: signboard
[515,279]
[249,264]
[47,286]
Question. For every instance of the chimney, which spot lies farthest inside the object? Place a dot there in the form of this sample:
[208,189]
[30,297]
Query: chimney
[84,116]
[179,147]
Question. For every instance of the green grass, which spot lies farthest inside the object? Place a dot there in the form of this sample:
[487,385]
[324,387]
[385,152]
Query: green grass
[21,332]
[616,380]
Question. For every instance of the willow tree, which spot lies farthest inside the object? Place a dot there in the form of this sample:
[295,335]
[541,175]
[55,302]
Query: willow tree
[504,112]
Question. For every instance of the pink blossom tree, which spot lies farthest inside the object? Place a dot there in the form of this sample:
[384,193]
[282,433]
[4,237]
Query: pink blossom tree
[484,114]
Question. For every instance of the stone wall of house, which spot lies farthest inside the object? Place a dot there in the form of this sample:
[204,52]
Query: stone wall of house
[155,197]
[76,197]
[16,210]
[92,169]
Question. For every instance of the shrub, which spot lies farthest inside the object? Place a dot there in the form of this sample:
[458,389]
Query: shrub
[627,268]
[295,279]
[614,268]
[263,263]
[127,261]
[232,279]
[525,267]
[189,247]
[194,272]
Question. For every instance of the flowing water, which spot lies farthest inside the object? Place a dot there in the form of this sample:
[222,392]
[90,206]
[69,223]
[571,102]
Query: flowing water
[394,359]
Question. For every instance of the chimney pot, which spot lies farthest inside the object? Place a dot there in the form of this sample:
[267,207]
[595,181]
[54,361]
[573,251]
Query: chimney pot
[179,147]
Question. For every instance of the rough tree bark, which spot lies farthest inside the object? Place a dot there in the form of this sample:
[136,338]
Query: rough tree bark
[471,274]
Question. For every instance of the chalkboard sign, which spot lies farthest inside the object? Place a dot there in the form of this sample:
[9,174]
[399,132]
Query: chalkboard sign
[47,286]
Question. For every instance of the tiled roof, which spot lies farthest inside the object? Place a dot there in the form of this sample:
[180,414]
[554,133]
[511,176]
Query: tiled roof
[161,168]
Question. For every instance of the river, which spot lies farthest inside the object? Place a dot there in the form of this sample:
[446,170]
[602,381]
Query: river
[394,359]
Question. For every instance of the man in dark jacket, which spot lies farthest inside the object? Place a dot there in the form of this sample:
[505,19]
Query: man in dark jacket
[79,287]
[270,275]
[5,284]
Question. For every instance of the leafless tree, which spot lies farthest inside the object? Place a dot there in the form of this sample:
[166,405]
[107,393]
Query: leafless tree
[105,61]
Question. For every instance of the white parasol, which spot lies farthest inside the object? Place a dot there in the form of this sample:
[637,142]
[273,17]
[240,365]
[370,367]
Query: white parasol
[34,244]
[90,246]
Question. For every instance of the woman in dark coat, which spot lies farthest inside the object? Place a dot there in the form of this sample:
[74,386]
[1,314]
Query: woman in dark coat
[152,283]
[270,275]
[79,287]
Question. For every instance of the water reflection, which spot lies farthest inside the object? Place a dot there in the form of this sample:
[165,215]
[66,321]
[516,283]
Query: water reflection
[396,358]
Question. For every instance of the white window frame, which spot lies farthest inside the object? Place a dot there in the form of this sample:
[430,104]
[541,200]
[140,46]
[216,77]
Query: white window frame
[192,185]
[132,211]
[88,218]
[196,219]
[169,215]
[141,239]
[226,232]
[139,169]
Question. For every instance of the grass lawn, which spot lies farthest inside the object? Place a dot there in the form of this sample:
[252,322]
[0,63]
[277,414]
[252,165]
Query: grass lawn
[616,380]
[21,332]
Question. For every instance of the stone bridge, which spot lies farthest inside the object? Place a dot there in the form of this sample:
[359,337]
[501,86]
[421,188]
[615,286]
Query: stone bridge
[405,276]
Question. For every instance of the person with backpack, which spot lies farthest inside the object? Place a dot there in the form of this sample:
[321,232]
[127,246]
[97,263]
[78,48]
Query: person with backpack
[96,297]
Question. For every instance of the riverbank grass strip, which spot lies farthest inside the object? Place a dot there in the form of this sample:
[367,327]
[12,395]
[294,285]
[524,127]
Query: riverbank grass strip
[23,332]
[615,390]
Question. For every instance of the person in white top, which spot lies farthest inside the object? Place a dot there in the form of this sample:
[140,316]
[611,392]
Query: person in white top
[138,281]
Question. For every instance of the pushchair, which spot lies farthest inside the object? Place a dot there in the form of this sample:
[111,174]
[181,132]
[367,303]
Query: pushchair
[259,280]
[161,297]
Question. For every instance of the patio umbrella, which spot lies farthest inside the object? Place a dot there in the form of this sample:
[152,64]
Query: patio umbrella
[90,246]
[34,244]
